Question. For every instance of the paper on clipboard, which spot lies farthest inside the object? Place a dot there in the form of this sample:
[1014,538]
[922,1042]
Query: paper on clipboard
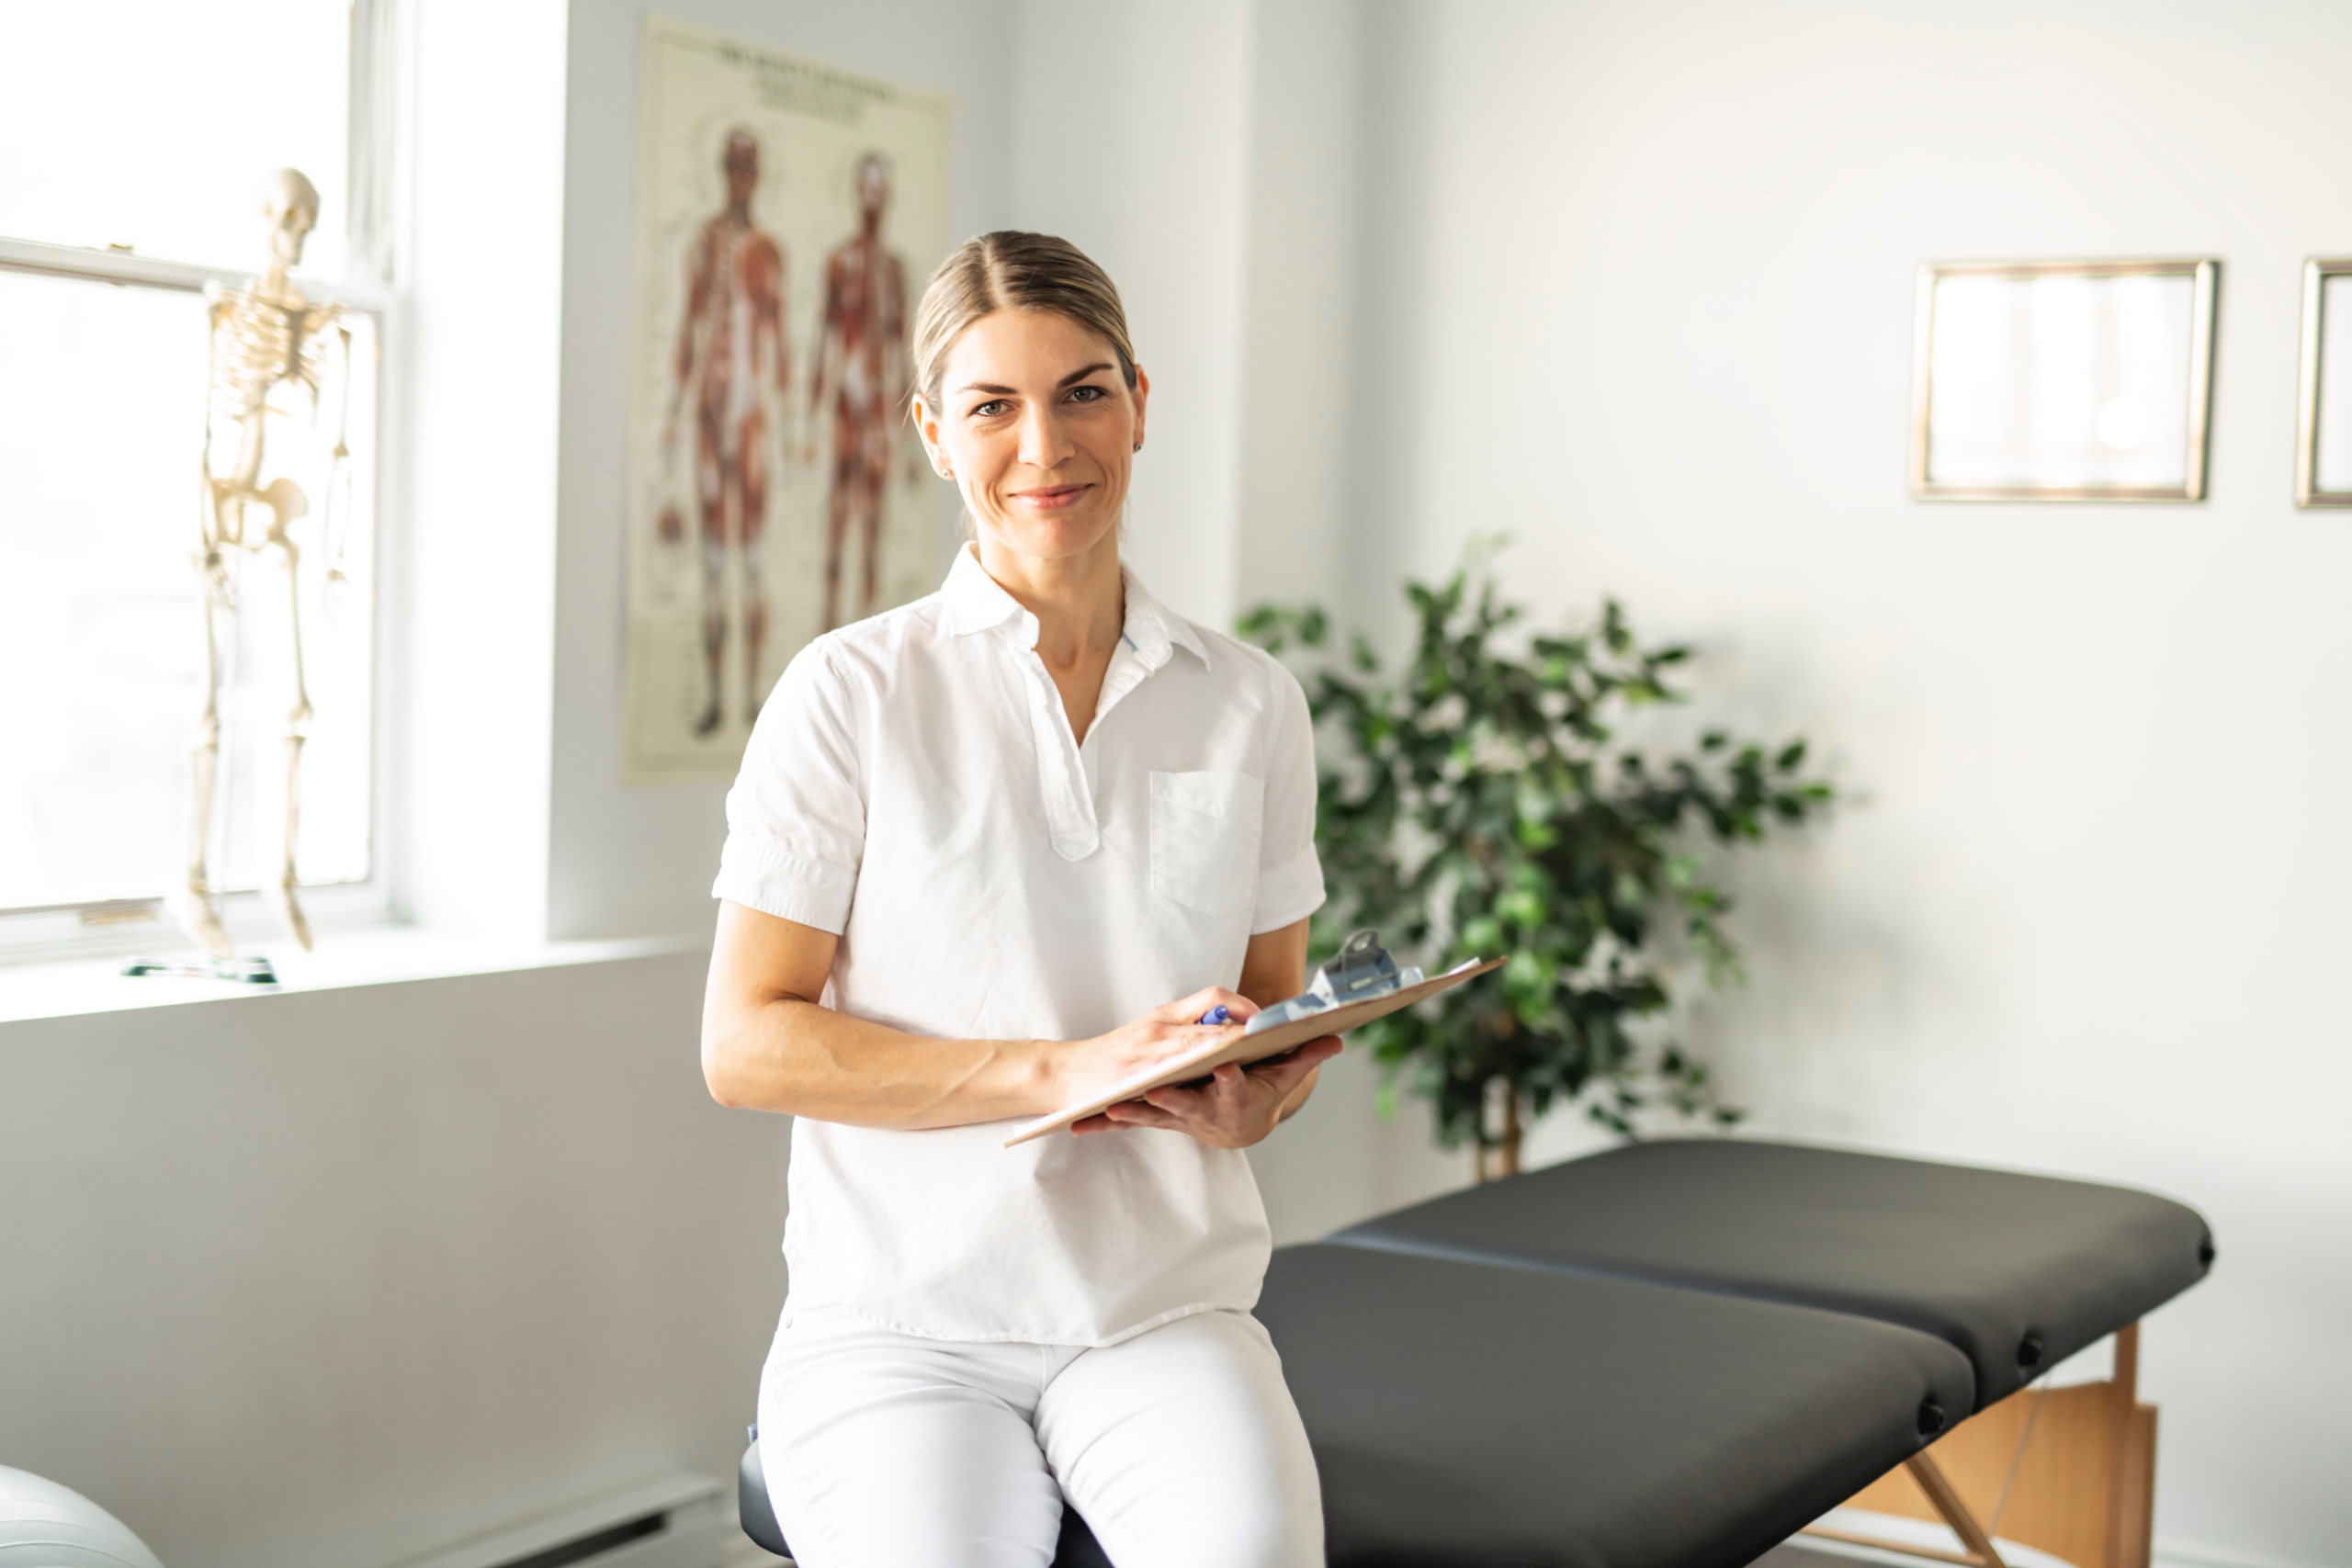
[1232,1044]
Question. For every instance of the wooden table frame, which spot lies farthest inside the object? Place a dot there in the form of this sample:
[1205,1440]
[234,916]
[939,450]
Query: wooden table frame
[2071,1471]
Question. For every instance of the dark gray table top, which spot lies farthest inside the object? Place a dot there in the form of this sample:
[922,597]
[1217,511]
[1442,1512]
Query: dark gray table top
[2017,1271]
[1465,1413]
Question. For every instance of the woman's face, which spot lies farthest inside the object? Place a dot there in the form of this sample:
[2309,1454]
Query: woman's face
[1039,430]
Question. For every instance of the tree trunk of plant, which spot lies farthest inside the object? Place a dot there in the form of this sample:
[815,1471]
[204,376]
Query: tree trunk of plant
[1508,1146]
[1504,1143]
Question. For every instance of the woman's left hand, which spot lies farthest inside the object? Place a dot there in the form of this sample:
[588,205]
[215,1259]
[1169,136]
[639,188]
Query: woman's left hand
[1237,1107]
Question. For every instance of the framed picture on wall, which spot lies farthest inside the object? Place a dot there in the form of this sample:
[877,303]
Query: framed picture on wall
[2068,380]
[2324,434]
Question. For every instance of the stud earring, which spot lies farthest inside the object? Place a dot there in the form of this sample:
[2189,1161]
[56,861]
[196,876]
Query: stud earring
[1138,446]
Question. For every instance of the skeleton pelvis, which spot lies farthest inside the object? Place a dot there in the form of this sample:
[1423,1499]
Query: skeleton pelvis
[282,496]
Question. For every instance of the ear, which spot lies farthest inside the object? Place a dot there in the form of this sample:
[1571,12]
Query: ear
[926,420]
[1143,395]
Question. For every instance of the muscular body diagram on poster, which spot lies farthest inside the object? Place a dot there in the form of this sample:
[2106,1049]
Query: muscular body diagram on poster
[788,211]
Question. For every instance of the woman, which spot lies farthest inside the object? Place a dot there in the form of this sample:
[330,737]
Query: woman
[970,836]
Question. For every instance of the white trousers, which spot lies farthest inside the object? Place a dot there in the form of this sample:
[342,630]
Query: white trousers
[1180,1448]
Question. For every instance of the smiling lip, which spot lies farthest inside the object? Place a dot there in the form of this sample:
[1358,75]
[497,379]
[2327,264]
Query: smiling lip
[1052,497]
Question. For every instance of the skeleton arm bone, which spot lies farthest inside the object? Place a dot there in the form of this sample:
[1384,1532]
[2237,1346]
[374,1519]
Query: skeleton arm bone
[336,518]
[212,530]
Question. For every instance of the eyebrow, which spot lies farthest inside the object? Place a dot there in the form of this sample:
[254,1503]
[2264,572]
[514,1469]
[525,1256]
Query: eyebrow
[1072,379]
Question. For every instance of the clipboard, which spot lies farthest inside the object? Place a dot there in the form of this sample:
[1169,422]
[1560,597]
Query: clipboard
[1232,1044]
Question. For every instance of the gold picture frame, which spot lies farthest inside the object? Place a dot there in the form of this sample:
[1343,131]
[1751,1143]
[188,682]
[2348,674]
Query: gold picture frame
[2323,455]
[2062,381]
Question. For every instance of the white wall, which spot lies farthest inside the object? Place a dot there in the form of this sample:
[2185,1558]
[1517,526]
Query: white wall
[339,1277]
[1130,136]
[1638,289]
[472,554]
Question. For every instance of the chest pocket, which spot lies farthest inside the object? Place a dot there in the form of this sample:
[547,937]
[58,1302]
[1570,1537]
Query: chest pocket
[1205,829]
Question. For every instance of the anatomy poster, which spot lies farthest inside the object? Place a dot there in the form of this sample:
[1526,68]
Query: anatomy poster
[788,216]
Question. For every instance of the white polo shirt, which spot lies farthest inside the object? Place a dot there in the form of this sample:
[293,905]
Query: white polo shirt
[912,785]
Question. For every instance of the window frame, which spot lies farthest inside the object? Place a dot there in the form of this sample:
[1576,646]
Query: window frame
[107,927]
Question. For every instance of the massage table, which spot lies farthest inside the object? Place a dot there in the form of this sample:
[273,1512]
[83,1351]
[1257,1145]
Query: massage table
[1678,1354]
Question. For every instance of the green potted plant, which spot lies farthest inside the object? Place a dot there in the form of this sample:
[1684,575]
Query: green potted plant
[1482,803]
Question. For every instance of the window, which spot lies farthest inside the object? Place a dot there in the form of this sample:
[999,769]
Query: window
[135,143]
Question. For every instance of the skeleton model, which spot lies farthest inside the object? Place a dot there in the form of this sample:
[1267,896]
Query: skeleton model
[731,346]
[265,340]
[862,359]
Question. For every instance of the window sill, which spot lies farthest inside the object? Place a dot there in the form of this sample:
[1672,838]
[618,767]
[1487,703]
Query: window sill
[377,956]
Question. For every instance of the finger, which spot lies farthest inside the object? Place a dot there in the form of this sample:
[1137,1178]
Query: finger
[1321,1049]
[1285,1071]
[1178,1101]
[1284,1083]
[1107,1119]
[1187,1008]
[1192,1008]
[1135,1113]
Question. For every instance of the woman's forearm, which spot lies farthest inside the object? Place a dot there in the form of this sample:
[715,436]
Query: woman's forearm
[802,1060]
[768,1044]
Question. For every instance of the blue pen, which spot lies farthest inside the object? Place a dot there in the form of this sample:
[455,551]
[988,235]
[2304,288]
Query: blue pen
[1218,1015]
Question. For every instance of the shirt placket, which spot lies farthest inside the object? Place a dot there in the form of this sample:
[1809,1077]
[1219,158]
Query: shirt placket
[1061,780]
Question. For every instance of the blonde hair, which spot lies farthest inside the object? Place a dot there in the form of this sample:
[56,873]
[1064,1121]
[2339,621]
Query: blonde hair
[1009,270]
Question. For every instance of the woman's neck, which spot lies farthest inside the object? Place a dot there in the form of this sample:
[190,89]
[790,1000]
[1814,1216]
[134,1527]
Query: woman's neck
[1080,601]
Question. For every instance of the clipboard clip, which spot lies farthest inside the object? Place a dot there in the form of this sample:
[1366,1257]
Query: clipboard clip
[1360,971]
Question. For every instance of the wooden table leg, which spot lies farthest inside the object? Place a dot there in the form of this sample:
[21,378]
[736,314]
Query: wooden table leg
[1956,1513]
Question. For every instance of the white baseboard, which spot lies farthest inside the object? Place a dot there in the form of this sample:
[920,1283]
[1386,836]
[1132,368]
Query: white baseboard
[1920,1532]
[695,1528]
[2173,1554]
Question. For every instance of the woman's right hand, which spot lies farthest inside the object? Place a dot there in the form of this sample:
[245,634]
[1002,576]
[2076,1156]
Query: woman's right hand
[1086,1068]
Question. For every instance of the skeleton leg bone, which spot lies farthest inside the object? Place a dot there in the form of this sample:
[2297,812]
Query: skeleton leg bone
[298,723]
[197,916]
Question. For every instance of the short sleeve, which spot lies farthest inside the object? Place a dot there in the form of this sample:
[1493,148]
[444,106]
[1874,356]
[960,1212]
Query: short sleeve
[795,819]
[1290,876]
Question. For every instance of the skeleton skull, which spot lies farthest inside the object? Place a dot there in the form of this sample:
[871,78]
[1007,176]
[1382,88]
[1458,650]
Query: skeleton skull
[290,202]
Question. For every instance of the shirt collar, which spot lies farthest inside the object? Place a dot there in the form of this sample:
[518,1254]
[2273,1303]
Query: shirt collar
[977,603]
[1152,629]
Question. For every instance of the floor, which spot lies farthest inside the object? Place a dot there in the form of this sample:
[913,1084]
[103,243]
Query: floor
[1788,1554]
[1798,1553]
